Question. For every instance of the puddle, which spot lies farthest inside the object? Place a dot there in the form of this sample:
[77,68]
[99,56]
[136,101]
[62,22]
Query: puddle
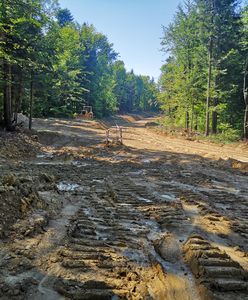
[222,206]
[186,174]
[79,164]
[180,282]
[44,155]
[68,187]
[125,204]
[46,163]
[98,180]
[119,157]
[144,200]
[146,161]
[137,173]
[169,197]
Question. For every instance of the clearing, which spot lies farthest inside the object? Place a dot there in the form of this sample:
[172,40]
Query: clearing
[156,218]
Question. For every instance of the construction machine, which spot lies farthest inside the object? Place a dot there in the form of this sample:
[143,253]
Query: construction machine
[86,113]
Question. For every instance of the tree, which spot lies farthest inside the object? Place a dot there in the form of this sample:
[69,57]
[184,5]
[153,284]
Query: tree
[52,67]
[22,24]
[64,17]
[245,81]
[203,72]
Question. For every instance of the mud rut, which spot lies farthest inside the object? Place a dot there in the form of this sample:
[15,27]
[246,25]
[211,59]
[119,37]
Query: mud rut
[130,224]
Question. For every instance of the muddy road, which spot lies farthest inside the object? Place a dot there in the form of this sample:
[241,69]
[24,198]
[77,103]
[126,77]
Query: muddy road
[157,218]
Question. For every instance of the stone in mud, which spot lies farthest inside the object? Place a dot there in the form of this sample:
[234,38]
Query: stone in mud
[47,177]
[34,137]
[15,290]
[168,248]
[25,204]
[26,179]
[9,180]
[1,231]
[2,189]
[34,223]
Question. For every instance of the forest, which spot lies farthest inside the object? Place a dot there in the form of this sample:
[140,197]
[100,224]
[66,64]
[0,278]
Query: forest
[204,83]
[52,66]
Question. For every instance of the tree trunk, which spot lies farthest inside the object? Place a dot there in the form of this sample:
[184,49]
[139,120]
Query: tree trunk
[19,95]
[246,123]
[196,122]
[7,77]
[192,115]
[210,54]
[31,101]
[14,97]
[214,118]
[245,90]
[187,120]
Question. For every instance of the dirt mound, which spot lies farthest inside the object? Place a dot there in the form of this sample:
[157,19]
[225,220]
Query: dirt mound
[240,165]
[20,199]
[18,145]
[23,120]
[234,164]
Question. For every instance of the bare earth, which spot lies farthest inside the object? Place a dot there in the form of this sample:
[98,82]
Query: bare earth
[157,218]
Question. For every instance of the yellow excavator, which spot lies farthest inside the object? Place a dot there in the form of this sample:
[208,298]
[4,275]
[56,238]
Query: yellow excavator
[86,113]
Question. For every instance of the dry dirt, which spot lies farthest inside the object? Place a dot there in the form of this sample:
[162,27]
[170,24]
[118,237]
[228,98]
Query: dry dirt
[156,218]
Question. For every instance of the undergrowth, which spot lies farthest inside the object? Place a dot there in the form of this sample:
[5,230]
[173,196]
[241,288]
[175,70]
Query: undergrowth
[226,134]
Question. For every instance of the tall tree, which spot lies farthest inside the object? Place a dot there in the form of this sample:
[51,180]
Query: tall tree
[245,82]
[64,17]
[204,44]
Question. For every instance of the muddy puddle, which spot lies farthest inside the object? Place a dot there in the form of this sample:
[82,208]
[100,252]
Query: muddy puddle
[69,187]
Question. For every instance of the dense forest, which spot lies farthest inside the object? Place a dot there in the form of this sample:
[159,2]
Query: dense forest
[52,66]
[204,81]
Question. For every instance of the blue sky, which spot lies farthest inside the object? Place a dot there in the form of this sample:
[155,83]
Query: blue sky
[133,26]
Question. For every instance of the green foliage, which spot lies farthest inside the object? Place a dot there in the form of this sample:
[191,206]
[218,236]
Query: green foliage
[184,78]
[226,135]
[60,66]
[64,17]
[61,112]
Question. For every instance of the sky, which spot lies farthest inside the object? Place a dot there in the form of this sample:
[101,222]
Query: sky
[133,26]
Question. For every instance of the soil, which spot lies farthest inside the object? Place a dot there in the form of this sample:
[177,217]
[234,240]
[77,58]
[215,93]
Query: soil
[158,217]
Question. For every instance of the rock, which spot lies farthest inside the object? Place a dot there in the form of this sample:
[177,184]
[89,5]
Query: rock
[27,179]
[35,137]
[2,189]
[16,292]
[22,120]
[9,180]
[47,178]
[25,204]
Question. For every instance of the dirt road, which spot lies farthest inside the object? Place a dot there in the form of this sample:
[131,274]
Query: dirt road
[157,218]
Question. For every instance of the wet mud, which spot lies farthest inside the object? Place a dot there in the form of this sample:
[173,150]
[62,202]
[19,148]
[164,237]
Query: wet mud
[136,221]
